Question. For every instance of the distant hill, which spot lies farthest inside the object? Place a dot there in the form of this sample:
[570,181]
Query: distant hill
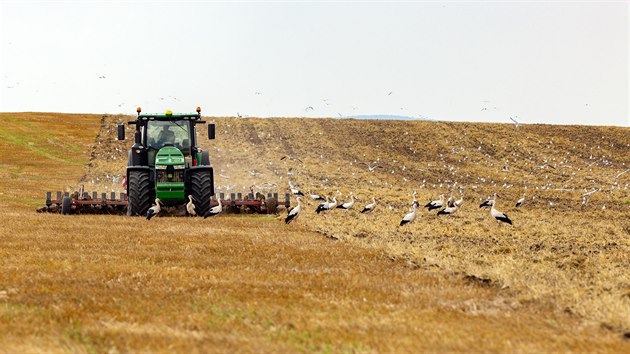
[386,117]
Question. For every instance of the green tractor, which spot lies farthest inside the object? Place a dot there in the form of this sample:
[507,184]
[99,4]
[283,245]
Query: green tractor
[165,162]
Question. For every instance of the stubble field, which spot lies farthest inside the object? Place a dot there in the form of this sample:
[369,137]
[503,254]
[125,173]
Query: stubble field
[555,281]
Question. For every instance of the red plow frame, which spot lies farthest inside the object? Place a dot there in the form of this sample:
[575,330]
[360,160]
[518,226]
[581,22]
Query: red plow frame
[84,203]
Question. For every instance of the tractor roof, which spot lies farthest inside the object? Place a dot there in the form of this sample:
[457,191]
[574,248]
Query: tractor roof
[172,116]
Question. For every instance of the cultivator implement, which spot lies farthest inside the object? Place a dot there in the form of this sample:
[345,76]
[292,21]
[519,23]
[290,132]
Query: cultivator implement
[116,203]
[85,203]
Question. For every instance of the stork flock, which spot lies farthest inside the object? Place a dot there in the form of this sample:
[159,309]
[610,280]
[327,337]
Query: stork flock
[190,208]
[446,207]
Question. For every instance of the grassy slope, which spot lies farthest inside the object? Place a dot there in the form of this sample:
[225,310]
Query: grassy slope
[102,282]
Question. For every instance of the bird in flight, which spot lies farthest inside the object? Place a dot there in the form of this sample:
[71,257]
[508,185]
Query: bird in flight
[370,168]
[309,107]
[516,123]
[290,158]
[390,93]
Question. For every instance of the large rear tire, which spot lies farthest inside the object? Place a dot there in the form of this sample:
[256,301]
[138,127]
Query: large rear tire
[201,189]
[141,192]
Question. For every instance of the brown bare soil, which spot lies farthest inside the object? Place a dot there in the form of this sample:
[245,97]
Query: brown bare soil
[342,282]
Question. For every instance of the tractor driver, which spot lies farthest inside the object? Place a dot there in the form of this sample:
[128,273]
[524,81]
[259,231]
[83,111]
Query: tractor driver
[166,136]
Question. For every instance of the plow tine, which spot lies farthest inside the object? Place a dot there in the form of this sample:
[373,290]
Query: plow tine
[239,196]
[58,195]
[48,199]
[113,196]
[66,194]
[250,196]
[94,195]
[222,196]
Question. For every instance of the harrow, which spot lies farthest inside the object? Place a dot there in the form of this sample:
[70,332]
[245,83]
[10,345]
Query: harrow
[116,203]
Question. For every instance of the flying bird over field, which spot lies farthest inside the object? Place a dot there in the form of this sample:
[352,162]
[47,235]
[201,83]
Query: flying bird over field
[154,210]
[435,204]
[370,207]
[390,93]
[294,212]
[215,210]
[520,201]
[190,206]
[347,205]
[371,168]
[497,215]
[326,206]
[409,217]
[290,158]
[309,107]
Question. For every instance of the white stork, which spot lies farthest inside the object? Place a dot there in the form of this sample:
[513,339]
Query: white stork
[347,205]
[435,204]
[294,189]
[415,201]
[451,201]
[499,216]
[460,201]
[154,210]
[368,208]
[294,212]
[316,197]
[449,210]
[409,217]
[520,201]
[327,206]
[190,206]
[215,210]
[486,203]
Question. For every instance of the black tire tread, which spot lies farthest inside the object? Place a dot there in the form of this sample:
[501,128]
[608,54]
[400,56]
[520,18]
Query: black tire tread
[141,193]
[201,190]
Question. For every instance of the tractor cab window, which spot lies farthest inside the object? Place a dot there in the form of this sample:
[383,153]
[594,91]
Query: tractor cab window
[165,133]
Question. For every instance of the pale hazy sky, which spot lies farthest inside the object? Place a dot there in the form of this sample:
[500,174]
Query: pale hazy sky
[560,62]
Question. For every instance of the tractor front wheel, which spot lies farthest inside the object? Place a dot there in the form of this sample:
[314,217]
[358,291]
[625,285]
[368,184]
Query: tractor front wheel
[141,192]
[201,190]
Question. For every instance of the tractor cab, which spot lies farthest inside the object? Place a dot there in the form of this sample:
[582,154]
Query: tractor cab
[165,161]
